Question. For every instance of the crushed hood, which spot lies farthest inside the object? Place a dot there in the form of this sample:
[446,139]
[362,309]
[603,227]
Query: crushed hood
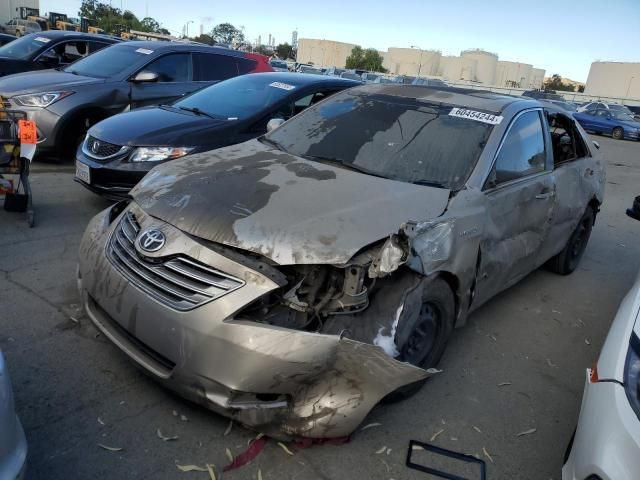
[280,206]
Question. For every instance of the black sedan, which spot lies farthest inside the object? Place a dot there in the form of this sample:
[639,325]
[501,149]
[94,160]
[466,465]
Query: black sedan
[6,38]
[119,151]
[50,49]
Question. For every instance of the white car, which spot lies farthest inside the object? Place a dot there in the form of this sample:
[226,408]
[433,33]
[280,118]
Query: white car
[607,106]
[13,445]
[606,445]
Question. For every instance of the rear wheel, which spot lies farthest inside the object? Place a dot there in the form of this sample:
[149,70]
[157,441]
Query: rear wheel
[569,258]
[428,335]
[618,133]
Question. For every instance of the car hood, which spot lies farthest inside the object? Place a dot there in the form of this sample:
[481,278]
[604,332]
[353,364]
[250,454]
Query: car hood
[40,81]
[280,206]
[156,127]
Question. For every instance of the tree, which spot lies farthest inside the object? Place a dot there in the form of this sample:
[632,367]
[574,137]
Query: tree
[368,59]
[284,51]
[555,83]
[581,88]
[227,34]
[204,38]
[107,17]
[148,24]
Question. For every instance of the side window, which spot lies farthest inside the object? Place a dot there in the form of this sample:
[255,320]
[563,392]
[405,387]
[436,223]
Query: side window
[95,46]
[522,152]
[170,68]
[208,67]
[603,113]
[74,50]
[245,65]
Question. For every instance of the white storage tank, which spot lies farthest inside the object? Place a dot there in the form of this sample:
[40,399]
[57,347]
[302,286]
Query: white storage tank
[513,74]
[454,68]
[486,65]
[412,61]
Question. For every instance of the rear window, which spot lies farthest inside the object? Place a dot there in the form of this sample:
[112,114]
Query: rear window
[396,138]
[211,67]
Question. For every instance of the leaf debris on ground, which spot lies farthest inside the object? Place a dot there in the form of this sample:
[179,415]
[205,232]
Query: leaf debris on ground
[175,414]
[526,432]
[284,447]
[484,450]
[100,421]
[212,474]
[164,438]
[371,425]
[551,364]
[111,449]
[435,435]
[433,370]
[229,427]
[476,429]
[587,341]
[381,450]
[184,418]
[504,384]
[259,474]
[191,468]
[229,454]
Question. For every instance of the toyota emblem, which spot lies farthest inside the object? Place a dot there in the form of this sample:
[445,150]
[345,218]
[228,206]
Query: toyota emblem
[151,240]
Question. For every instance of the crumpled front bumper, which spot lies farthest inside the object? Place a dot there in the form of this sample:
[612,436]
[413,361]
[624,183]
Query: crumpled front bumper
[284,383]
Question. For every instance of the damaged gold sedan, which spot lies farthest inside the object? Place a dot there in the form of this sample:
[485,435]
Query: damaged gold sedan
[294,281]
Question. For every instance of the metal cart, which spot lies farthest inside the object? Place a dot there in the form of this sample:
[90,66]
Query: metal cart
[12,163]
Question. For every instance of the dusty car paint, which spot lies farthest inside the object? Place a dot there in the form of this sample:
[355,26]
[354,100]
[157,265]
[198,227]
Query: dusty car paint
[266,217]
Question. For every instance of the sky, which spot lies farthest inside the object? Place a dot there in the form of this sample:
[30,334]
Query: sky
[562,38]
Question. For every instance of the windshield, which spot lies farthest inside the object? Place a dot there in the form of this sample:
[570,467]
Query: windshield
[239,97]
[620,108]
[24,48]
[109,61]
[393,137]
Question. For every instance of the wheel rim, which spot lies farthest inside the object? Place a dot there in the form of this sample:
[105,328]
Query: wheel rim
[579,241]
[617,133]
[422,340]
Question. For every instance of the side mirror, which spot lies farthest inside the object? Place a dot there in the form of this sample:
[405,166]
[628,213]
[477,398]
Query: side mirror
[145,77]
[274,123]
[634,212]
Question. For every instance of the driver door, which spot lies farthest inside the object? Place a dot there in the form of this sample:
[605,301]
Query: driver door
[520,195]
[174,80]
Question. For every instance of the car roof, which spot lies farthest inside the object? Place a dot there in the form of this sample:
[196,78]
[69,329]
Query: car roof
[470,98]
[57,34]
[303,80]
[182,46]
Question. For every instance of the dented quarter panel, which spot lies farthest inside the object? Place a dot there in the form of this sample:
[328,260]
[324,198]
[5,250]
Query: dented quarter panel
[285,208]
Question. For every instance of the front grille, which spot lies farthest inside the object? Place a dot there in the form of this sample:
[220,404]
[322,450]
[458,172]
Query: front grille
[178,281]
[100,149]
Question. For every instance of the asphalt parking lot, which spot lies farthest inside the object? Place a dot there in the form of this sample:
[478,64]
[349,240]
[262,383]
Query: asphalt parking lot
[517,365]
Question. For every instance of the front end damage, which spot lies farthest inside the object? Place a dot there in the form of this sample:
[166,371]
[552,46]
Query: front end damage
[291,351]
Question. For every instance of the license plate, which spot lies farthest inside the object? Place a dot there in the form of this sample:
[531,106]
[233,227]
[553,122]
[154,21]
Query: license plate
[83,172]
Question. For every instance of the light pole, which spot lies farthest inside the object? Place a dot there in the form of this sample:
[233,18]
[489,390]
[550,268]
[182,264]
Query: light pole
[420,62]
[629,86]
[186,28]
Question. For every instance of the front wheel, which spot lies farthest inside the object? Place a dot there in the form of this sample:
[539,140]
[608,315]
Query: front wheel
[618,133]
[569,258]
[423,342]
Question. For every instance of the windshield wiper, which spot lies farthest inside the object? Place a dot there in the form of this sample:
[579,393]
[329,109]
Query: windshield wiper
[428,183]
[197,111]
[345,165]
[273,143]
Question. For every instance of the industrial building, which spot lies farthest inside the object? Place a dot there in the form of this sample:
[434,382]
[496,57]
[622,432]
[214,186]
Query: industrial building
[614,80]
[472,66]
[10,8]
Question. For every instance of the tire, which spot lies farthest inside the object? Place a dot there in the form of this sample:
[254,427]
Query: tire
[73,136]
[429,336]
[569,258]
[618,133]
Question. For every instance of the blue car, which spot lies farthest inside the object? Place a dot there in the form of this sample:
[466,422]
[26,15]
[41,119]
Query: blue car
[609,122]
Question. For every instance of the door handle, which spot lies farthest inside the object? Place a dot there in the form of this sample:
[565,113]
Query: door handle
[542,196]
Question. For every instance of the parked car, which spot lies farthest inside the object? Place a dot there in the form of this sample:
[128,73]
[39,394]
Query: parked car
[429,82]
[120,150]
[50,49]
[568,106]
[404,79]
[609,122]
[614,107]
[351,76]
[543,95]
[310,70]
[295,280]
[385,79]
[6,38]
[279,65]
[606,443]
[13,444]
[335,71]
[369,77]
[19,27]
[128,75]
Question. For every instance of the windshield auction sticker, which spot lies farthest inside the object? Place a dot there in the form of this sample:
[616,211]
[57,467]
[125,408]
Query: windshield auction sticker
[42,39]
[146,51]
[477,116]
[283,86]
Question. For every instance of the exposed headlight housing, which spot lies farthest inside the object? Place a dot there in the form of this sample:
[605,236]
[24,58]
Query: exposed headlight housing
[632,374]
[41,100]
[157,154]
